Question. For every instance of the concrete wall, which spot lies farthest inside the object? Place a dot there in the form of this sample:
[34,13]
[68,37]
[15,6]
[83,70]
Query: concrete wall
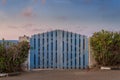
[91,57]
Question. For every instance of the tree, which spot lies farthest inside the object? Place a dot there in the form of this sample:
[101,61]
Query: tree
[106,48]
[12,56]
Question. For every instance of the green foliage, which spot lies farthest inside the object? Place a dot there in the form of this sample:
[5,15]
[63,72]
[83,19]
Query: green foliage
[106,48]
[12,56]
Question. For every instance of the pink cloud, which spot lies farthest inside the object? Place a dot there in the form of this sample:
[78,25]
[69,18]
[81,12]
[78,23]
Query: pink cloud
[28,12]
[62,18]
[4,2]
[35,1]
[43,1]
[29,25]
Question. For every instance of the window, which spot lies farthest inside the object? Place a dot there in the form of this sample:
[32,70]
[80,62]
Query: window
[75,59]
[56,59]
[79,44]
[47,39]
[34,61]
[71,59]
[67,37]
[71,35]
[83,43]
[47,47]
[47,34]
[47,60]
[75,49]
[51,34]
[52,46]
[34,43]
[63,57]
[52,56]
[38,59]
[43,50]
[56,45]
[63,46]
[43,39]
[79,61]
[51,59]
[67,60]
[63,34]
[56,33]
[38,42]
[67,47]
[83,59]
[75,39]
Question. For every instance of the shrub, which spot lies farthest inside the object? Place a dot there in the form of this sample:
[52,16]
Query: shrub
[106,47]
[12,56]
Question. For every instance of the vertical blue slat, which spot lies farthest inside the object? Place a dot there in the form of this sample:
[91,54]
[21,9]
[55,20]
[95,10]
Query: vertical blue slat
[86,52]
[69,50]
[81,56]
[49,49]
[54,49]
[77,52]
[36,50]
[41,50]
[65,50]
[58,61]
[73,51]
[45,50]
[60,53]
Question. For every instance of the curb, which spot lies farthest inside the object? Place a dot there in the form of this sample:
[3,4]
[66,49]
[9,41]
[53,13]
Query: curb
[3,74]
[109,68]
[9,74]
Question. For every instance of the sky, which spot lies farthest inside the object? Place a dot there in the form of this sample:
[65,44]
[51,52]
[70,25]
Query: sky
[28,17]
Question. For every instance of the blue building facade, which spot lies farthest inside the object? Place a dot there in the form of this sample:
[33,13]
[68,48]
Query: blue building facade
[58,49]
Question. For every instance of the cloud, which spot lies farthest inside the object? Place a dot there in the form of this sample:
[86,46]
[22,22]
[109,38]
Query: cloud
[41,30]
[28,12]
[22,26]
[4,2]
[13,27]
[29,25]
[35,1]
[43,1]
[3,16]
[64,18]
[37,29]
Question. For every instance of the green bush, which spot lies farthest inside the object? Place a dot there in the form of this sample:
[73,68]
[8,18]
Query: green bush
[106,48]
[12,56]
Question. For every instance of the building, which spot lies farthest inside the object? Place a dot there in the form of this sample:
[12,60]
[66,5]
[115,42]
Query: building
[23,38]
[10,41]
[58,49]
[27,62]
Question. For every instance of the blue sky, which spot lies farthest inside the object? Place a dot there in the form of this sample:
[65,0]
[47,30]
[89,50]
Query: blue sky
[19,17]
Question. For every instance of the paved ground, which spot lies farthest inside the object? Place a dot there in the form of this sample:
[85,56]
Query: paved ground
[66,75]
